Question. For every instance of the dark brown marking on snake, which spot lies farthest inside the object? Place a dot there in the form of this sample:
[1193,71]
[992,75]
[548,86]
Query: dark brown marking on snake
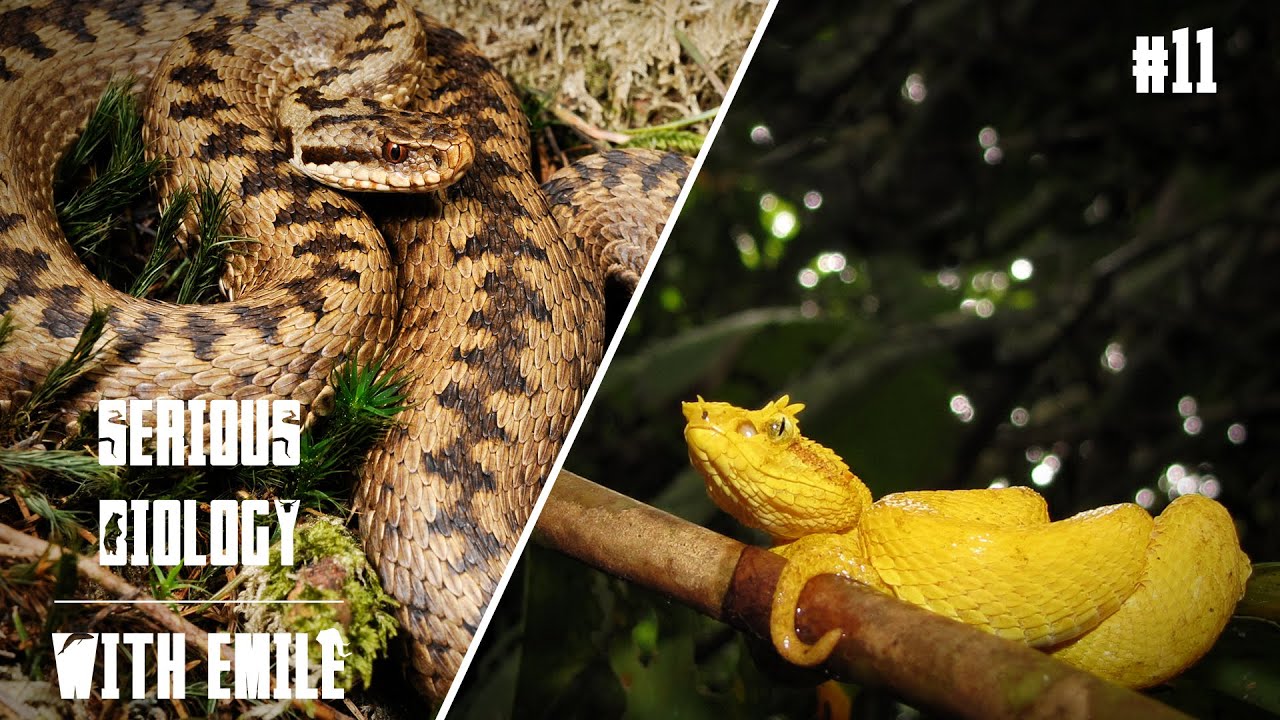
[128,344]
[674,165]
[15,32]
[216,39]
[69,16]
[327,213]
[254,184]
[483,130]
[201,107]
[5,73]
[313,100]
[461,522]
[130,15]
[226,142]
[342,243]
[357,55]
[286,137]
[61,318]
[377,13]
[332,73]
[204,334]
[340,118]
[337,271]
[31,264]
[8,221]
[375,33]
[263,318]
[82,385]
[522,299]
[195,74]
[201,7]
[330,155]
[257,183]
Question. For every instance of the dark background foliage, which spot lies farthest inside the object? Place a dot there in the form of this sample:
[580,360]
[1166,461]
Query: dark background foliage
[953,230]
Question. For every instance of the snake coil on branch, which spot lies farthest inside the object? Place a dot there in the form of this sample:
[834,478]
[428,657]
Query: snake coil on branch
[1111,590]
[487,295]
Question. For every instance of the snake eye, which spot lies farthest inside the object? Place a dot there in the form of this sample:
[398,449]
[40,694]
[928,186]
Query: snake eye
[394,152]
[777,427]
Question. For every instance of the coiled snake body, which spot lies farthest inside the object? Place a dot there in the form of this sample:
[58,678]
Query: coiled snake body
[1111,590]
[489,303]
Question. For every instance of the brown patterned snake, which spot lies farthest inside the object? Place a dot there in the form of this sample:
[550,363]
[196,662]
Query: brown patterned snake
[491,304]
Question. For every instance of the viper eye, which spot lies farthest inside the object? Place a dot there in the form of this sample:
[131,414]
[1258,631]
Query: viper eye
[394,152]
[777,427]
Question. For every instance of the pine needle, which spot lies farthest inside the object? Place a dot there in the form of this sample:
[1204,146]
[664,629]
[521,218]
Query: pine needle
[63,523]
[48,391]
[70,464]
[167,228]
[199,274]
[115,128]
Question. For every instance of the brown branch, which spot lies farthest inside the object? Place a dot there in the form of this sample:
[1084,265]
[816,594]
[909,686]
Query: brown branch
[931,661]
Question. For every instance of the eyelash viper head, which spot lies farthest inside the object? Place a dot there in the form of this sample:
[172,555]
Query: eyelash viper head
[1111,590]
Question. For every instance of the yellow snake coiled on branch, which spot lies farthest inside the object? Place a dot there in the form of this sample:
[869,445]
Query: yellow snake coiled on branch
[1111,590]
[489,303]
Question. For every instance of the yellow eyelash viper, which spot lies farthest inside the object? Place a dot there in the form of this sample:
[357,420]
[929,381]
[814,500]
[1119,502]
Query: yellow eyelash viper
[1111,591]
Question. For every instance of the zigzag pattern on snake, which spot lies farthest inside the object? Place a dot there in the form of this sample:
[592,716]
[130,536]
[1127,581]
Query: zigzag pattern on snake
[492,309]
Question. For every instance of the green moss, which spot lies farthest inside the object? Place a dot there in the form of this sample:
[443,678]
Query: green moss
[328,565]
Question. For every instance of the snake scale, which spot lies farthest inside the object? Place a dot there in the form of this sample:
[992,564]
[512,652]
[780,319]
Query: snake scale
[487,295]
[1112,591]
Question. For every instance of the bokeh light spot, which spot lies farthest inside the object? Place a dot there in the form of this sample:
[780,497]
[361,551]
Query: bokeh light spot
[1146,497]
[1192,425]
[1021,269]
[914,88]
[1237,433]
[1113,357]
[1187,406]
[784,224]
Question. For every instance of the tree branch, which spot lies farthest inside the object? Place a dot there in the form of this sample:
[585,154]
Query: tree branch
[931,661]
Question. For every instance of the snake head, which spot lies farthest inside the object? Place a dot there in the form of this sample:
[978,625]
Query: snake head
[366,146]
[761,470]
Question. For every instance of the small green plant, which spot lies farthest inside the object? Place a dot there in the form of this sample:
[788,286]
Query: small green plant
[199,273]
[70,464]
[366,401]
[114,129]
[63,523]
[671,136]
[167,583]
[167,228]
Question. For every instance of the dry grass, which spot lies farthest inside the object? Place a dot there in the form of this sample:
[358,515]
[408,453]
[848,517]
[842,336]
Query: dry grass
[615,63]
